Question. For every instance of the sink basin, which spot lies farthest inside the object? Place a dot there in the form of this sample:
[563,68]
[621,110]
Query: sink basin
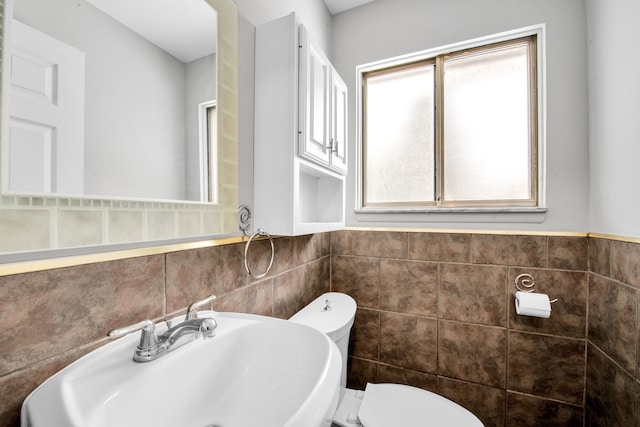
[256,371]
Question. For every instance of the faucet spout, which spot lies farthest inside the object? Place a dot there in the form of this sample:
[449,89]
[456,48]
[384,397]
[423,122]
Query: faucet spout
[188,331]
[192,311]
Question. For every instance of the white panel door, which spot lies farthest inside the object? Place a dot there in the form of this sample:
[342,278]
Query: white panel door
[43,147]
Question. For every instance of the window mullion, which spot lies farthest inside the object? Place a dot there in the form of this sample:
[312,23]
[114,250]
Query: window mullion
[439,130]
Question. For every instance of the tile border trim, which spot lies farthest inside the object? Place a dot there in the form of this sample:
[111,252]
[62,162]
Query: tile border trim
[46,264]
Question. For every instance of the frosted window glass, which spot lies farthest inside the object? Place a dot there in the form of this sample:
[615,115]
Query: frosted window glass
[486,126]
[399,129]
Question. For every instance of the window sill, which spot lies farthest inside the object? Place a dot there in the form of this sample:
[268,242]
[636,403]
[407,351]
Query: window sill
[470,215]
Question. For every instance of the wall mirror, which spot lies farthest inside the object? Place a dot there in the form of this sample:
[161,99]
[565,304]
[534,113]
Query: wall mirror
[119,124]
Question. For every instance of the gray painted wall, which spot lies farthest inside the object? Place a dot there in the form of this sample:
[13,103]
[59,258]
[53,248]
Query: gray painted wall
[592,116]
[614,119]
[387,28]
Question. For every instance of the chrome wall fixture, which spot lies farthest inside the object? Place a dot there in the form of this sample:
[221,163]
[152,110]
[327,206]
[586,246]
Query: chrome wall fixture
[244,219]
[526,283]
[257,234]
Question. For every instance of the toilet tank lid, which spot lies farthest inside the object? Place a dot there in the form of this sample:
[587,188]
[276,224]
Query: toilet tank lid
[335,322]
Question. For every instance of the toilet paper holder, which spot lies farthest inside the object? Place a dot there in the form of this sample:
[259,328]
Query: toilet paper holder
[525,283]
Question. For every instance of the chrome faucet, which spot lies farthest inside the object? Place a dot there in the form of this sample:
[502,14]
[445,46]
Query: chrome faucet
[152,346]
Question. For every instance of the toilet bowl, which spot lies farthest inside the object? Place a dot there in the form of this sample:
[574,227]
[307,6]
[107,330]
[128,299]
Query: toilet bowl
[379,405]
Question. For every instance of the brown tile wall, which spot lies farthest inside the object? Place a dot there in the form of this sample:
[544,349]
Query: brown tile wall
[53,317]
[436,311]
[613,348]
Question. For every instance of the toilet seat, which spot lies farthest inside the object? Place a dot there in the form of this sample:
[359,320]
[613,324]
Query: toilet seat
[390,405]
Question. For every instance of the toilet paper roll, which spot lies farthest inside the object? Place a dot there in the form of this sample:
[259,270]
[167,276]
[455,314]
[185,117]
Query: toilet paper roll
[533,304]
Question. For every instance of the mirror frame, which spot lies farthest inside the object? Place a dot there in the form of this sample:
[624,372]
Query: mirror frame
[42,228]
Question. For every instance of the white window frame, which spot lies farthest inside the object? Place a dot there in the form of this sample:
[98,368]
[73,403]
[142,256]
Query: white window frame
[383,213]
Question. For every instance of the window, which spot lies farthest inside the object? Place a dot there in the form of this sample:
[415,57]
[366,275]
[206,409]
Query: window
[456,129]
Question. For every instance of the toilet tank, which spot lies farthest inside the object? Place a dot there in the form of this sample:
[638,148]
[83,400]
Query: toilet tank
[332,313]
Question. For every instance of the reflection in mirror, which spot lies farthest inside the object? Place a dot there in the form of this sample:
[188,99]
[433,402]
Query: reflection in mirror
[116,131]
[114,113]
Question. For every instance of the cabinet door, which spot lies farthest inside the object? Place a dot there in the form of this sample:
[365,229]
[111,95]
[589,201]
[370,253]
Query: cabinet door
[338,142]
[314,92]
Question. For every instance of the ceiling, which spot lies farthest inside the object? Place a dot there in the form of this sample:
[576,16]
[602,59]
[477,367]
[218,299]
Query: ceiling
[185,29]
[187,33]
[337,6]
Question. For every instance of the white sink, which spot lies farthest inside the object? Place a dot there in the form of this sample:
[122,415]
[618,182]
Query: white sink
[256,371]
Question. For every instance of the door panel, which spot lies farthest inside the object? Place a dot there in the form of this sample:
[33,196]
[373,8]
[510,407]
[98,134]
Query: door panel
[338,124]
[44,144]
[31,146]
[314,102]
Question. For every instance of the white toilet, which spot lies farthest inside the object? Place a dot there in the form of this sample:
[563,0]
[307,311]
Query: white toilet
[379,405]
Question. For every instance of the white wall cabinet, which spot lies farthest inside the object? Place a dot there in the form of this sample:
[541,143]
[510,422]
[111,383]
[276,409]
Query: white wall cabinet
[300,133]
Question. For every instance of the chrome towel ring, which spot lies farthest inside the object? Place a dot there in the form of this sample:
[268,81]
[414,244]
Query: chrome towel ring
[258,233]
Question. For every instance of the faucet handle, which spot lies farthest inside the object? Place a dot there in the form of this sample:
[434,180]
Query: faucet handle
[120,332]
[192,311]
[148,337]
